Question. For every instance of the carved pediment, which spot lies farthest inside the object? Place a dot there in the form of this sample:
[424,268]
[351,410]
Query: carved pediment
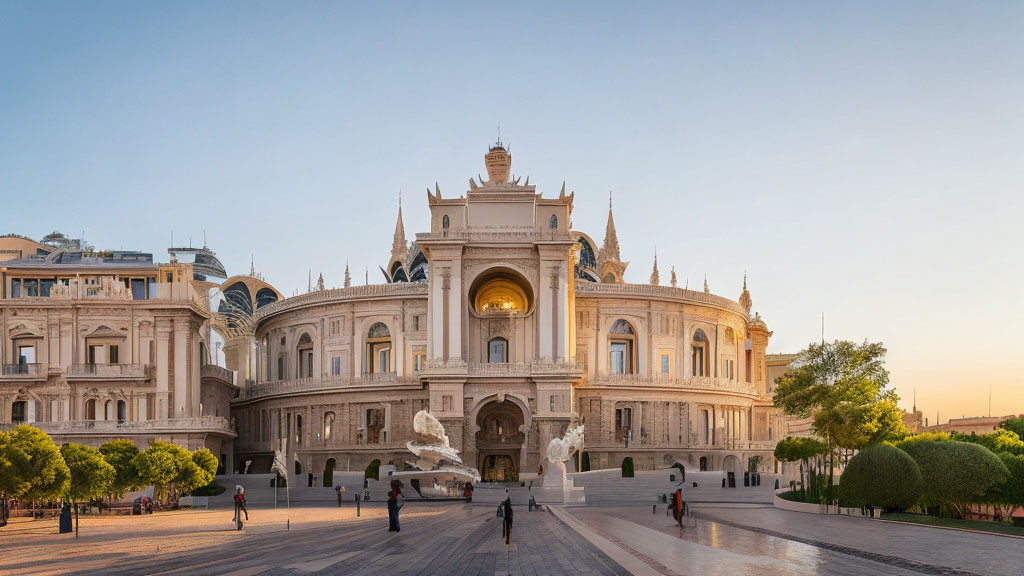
[24,331]
[104,331]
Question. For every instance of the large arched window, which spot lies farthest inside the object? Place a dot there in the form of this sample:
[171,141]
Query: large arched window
[304,352]
[378,349]
[621,348]
[328,425]
[699,354]
[497,350]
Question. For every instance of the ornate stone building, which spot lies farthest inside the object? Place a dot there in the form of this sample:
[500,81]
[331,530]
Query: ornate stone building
[506,323]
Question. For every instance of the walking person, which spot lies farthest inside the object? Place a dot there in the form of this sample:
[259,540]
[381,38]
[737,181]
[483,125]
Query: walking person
[240,509]
[506,513]
[677,506]
[341,494]
[395,503]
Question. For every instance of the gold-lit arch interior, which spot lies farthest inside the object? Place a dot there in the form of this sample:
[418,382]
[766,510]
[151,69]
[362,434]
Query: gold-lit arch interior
[500,296]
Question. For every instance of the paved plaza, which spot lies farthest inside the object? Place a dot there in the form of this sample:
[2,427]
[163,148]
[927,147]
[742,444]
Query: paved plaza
[455,538]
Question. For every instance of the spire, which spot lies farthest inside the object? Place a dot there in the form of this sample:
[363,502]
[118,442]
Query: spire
[673,281]
[399,246]
[655,277]
[348,277]
[611,239]
[745,300]
[706,284]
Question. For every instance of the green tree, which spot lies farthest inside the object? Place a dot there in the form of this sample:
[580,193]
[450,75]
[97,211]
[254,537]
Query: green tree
[91,475]
[832,382]
[1009,496]
[1001,440]
[882,476]
[173,470]
[31,466]
[121,455]
[1015,425]
[955,473]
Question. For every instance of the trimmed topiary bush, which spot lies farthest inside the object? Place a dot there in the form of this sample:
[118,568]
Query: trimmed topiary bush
[627,467]
[955,473]
[882,476]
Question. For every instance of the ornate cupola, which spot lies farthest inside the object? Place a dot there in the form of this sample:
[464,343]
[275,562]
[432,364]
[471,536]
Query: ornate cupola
[499,163]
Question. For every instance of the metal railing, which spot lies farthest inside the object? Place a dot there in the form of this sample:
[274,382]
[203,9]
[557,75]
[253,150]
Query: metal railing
[34,370]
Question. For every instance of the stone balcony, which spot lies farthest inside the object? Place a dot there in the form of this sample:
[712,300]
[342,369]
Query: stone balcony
[694,383]
[23,373]
[217,373]
[537,368]
[202,424]
[108,372]
[300,385]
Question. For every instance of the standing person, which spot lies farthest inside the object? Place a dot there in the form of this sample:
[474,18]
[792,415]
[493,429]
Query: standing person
[395,503]
[506,525]
[341,494]
[677,506]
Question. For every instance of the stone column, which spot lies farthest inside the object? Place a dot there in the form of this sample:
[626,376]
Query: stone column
[163,334]
[181,396]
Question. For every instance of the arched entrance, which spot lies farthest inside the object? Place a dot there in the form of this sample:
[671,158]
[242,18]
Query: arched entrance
[499,441]
[329,473]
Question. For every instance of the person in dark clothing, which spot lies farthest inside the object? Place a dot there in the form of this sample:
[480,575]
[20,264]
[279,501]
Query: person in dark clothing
[395,503]
[506,525]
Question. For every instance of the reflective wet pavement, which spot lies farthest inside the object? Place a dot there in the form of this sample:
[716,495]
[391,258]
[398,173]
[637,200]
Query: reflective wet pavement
[706,546]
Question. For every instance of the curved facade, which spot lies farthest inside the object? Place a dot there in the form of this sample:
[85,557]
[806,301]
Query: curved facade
[505,336]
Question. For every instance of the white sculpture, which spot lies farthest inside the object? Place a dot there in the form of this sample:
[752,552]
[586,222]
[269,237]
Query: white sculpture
[561,449]
[433,450]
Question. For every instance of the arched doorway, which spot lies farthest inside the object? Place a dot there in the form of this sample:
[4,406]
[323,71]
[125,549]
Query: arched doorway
[329,473]
[499,441]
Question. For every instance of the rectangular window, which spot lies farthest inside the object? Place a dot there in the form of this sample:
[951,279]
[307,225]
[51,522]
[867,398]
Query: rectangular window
[664,363]
[336,366]
[617,358]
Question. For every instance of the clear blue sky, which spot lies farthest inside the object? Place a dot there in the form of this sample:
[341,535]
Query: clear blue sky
[859,159]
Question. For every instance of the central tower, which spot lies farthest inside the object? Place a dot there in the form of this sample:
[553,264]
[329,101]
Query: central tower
[501,322]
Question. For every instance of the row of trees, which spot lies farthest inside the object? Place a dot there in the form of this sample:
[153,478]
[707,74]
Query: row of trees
[33,467]
[931,470]
[843,386]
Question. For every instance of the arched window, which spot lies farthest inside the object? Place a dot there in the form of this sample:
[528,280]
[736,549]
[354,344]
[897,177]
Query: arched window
[497,350]
[553,222]
[328,425]
[699,354]
[122,411]
[621,348]
[378,349]
[298,430]
[90,409]
[304,352]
